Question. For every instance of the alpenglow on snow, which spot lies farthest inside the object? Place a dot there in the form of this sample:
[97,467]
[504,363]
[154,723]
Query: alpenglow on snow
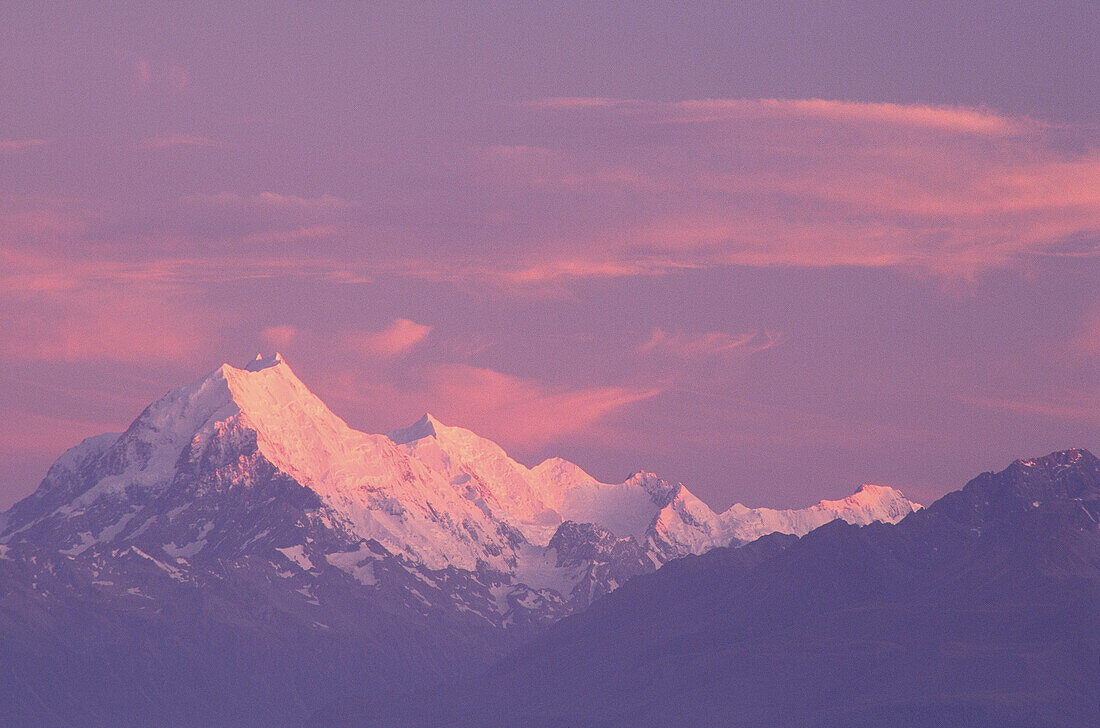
[189,487]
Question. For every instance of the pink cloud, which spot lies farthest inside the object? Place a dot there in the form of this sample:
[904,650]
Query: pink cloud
[939,118]
[581,103]
[11,146]
[294,201]
[1087,342]
[599,194]
[61,270]
[25,432]
[398,338]
[169,141]
[148,74]
[302,232]
[27,221]
[514,411]
[520,411]
[1080,406]
[270,199]
[575,268]
[279,336]
[713,343]
[102,326]
[800,183]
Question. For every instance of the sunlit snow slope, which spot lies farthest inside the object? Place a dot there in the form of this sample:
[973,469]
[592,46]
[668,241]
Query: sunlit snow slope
[430,498]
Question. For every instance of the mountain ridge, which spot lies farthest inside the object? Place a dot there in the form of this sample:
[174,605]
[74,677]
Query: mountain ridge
[238,513]
[977,611]
[430,468]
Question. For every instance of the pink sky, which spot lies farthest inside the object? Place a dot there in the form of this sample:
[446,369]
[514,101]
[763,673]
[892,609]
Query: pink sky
[769,252]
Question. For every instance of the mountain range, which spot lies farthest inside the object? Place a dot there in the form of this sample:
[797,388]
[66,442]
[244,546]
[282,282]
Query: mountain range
[982,610]
[241,556]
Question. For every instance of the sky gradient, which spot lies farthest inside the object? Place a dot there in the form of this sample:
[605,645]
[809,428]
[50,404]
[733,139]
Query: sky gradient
[771,250]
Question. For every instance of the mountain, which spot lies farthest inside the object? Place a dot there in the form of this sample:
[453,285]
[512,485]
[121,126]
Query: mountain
[981,610]
[241,556]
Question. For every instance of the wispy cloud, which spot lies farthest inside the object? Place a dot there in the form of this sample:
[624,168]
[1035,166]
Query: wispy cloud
[1087,341]
[618,188]
[170,141]
[30,223]
[12,146]
[522,411]
[517,412]
[148,74]
[302,232]
[26,432]
[944,118]
[279,335]
[113,325]
[269,199]
[1080,406]
[711,343]
[582,103]
[939,118]
[803,182]
[398,338]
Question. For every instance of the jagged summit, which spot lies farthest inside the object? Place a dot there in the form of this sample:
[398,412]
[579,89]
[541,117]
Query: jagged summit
[1024,485]
[262,362]
[1059,459]
[426,426]
[439,496]
[871,489]
[874,500]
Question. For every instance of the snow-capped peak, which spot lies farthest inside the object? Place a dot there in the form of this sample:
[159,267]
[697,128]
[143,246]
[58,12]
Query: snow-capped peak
[279,405]
[868,504]
[426,426]
[262,362]
[436,494]
[872,503]
[265,396]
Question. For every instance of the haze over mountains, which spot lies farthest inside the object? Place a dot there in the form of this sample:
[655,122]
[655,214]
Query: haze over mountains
[241,556]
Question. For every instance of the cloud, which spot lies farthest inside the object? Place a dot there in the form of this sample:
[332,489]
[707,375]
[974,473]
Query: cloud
[47,271]
[520,411]
[294,201]
[514,411]
[571,269]
[300,233]
[27,222]
[12,146]
[127,325]
[944,118]
[57,307]
[581,103]
[24,432]
[1087,341]
[955,119]
[713,343]
[269,199]
[279,336]
[170,141]
[147,74]
[1080,406]
[398,338]
[804,182]
[595,189]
